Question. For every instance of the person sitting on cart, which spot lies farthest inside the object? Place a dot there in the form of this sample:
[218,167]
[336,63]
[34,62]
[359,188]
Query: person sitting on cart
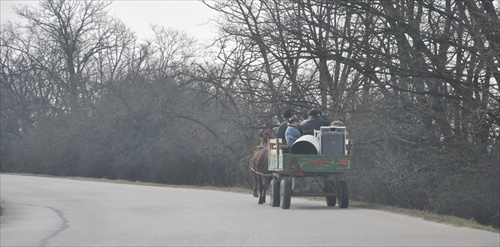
[292,133]
[313,122]
[287,114]
[340,123]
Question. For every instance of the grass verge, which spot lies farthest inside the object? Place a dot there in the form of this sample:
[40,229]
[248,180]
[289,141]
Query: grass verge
[426,215]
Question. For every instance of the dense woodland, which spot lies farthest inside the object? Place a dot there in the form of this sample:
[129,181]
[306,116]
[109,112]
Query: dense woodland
[416,83]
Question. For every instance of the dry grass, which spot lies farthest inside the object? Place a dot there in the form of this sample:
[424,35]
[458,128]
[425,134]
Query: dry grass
[426,215]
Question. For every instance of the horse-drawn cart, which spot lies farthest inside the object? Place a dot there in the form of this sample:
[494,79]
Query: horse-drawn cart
[323,157]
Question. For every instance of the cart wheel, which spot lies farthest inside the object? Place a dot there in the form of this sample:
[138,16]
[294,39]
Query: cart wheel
[275,193]
[344,195]
[330,188]
[286,193]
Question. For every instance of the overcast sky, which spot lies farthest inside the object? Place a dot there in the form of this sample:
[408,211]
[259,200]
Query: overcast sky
[188,15]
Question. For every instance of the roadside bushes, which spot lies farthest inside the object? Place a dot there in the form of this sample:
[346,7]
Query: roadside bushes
[160,133]
[398,163]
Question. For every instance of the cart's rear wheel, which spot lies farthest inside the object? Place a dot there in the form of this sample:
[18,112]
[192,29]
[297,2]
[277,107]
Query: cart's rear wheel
[275,193]
[285,193]
[330,188]
[344,195]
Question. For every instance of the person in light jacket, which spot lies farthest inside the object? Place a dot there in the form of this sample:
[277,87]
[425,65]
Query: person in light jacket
[292,133]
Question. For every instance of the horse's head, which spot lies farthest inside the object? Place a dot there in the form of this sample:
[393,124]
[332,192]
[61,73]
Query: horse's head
[266,134]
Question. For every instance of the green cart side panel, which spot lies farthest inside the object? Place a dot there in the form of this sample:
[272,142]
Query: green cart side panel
[309,163]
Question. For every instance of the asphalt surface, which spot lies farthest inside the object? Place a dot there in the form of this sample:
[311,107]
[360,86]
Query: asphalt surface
[42,211]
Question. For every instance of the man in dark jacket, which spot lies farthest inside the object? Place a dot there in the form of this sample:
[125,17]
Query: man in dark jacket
[313,122]
[281,130]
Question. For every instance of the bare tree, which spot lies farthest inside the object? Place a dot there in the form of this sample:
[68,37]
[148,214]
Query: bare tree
[75,32]
[423,74]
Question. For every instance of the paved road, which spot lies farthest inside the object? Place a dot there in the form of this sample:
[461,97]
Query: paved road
[40,211]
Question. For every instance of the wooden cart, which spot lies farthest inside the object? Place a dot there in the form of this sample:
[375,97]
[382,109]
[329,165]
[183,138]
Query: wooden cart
[326,169]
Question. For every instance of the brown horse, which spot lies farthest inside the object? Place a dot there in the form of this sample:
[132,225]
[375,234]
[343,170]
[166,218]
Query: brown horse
[258,164]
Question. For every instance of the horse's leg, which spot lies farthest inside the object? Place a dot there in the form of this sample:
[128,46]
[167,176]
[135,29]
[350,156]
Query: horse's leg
[266,181]
[261,190]
[255,184]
